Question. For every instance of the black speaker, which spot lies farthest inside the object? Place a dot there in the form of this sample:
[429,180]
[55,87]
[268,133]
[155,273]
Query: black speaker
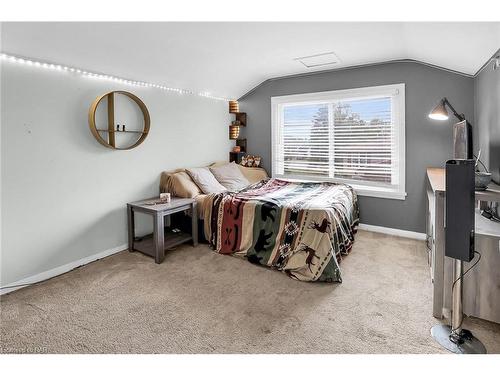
[460,202]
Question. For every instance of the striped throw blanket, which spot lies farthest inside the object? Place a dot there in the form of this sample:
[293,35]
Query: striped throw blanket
[302,229]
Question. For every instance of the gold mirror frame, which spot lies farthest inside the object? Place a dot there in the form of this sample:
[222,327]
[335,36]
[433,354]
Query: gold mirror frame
[111,120]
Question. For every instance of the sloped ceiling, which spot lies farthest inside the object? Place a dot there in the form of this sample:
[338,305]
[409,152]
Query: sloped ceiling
[229,59]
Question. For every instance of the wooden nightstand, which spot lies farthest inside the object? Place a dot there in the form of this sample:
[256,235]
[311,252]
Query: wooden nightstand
[163,238]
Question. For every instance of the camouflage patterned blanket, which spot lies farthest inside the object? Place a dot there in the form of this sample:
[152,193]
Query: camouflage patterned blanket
[302,229]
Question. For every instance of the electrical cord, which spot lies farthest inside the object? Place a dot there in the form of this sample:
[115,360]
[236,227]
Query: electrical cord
[479,160]
[453,331]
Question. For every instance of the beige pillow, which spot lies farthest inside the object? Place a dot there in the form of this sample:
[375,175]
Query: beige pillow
[230,176]
[165,180]
[183,186]
[179,184]
[205,180]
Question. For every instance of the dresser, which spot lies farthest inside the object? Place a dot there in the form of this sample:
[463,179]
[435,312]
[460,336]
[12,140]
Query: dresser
[481,286]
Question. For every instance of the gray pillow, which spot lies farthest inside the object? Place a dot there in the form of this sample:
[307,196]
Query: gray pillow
[205,180]
[230,176]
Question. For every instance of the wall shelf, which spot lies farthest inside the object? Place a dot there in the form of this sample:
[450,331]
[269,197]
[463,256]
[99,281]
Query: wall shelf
[242,118]
[106,137]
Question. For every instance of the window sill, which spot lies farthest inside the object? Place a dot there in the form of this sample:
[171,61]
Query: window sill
[365,191]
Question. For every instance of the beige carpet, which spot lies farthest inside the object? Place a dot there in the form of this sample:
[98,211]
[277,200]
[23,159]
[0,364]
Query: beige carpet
[198,301]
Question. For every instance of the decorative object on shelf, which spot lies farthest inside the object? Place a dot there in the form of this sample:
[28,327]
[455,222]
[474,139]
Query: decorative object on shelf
[234,131]
[234,106]
[109,140]
[236,149]
[248,161]
[251,161]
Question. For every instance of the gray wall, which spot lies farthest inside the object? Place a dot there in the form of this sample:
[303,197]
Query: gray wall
[487,115]
[63,194]
[428,143]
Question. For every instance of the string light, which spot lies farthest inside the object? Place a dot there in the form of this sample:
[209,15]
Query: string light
[100,76]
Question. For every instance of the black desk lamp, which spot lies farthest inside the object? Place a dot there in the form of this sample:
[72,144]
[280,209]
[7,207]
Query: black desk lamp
[459,229]
[462,130]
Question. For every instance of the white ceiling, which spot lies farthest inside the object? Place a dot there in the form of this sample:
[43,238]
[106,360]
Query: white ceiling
[229,59]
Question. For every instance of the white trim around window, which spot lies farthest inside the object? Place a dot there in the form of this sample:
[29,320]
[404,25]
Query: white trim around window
[354,136]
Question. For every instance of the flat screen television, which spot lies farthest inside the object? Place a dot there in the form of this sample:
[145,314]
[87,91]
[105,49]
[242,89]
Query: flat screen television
[462,140]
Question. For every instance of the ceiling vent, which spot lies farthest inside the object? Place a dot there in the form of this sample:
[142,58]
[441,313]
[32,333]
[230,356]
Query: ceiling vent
[322,59]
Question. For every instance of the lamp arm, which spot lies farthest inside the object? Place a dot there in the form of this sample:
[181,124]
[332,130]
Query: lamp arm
[457,115]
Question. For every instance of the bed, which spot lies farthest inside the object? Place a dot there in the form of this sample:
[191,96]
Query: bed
[303,229]
[300,228]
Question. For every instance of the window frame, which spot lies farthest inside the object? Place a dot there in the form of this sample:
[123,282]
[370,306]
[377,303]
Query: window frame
[364,188]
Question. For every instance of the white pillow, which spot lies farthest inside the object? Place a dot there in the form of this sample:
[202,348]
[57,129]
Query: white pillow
[205,180]
[230,176]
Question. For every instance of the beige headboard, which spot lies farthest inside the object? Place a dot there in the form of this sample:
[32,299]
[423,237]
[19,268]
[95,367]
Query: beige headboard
[253,174]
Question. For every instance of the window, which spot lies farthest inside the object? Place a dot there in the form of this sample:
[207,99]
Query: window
[352,136]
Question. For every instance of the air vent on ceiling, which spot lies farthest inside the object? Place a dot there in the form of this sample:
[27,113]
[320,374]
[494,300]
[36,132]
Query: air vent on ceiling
[322,59]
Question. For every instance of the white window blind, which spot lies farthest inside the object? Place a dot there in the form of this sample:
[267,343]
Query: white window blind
[353,136]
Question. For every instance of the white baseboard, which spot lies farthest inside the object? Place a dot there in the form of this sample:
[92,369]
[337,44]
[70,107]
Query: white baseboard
[393,232]
[60,270]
